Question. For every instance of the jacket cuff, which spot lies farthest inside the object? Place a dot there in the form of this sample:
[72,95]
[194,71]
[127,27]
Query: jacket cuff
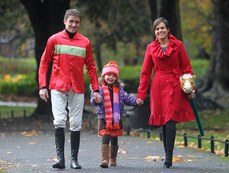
[44,87]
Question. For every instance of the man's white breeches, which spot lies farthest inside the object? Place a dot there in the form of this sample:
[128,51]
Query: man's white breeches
[74,102]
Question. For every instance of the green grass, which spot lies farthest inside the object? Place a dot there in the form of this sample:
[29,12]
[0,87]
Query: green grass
[199,67]
[211,119]
[130,72]
[15,111]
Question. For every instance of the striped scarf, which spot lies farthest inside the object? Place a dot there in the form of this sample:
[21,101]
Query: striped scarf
[112,115]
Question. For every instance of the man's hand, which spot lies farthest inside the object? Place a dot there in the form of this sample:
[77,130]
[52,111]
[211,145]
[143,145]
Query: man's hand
[44,94]
[97,97]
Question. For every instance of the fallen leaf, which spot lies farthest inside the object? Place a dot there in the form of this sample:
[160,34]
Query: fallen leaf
[122,157]
[192,156]
[219,152]
[153,158]
[178,158]
[189,160]
[31,133]
[7,165]
[135,133]
[122,151]
[31,143]
[157,139]
[124,143]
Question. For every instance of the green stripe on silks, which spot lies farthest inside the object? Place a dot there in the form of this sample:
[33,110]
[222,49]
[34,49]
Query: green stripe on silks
[199,124]
[70,50]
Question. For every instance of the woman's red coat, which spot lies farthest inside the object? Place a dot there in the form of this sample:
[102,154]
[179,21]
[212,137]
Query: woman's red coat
[167,100]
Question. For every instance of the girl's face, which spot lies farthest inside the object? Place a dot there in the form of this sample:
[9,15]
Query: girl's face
[110,78]
[161,32]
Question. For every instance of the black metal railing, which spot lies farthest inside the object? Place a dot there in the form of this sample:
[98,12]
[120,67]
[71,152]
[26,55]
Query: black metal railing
[13,114]
[212,141]
[199,138]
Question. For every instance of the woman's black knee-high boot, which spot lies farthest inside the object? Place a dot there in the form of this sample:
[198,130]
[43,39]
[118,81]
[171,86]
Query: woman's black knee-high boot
[59,141]
[170,134]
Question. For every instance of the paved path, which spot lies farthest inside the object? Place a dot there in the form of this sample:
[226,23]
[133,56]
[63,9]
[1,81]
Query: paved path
[35,152]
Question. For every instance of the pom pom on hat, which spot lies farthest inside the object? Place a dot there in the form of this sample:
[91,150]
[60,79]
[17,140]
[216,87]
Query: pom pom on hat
[110,67]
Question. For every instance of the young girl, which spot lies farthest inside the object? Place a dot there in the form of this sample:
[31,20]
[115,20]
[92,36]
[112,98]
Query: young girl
[109,110]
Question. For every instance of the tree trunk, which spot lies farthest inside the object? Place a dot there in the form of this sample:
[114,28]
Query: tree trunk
[153,9]
[46,18]
[216,81]
[169,10]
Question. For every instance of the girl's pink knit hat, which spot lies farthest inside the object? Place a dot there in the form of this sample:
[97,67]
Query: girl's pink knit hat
[110,67]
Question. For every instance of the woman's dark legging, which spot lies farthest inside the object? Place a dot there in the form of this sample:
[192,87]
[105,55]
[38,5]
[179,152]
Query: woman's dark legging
[168,135]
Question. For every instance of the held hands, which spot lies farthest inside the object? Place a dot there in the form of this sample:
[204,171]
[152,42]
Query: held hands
[139,101]
[97,97]
[44,94]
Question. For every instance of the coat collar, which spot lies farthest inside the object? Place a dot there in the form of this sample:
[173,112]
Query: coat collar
[76,36]
[157,51]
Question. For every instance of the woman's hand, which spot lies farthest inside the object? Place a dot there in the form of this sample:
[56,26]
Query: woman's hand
[139,101]
[192,94]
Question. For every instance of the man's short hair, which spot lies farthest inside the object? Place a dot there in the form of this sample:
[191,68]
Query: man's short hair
[72,12]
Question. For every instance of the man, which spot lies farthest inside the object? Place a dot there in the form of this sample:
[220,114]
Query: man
[69,51]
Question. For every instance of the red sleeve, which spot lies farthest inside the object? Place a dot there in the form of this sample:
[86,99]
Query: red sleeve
[185,64]
[46,59]
[91,68]
[145,75]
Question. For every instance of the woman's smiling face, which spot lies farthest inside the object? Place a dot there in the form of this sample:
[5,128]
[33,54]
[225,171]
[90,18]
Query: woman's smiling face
[161,32]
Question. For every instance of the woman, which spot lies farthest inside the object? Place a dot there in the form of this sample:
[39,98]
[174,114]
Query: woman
[169,105]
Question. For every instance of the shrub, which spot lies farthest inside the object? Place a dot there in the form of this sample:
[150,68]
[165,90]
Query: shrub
[22,81]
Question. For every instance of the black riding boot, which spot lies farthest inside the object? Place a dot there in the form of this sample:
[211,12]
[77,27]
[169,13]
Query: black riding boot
[59,140]
[169,134]
[75,142]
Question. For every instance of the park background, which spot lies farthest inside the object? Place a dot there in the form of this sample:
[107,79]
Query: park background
[119,30]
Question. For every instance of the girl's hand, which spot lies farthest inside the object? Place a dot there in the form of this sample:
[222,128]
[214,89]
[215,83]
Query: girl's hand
[97,97]
[139,101]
